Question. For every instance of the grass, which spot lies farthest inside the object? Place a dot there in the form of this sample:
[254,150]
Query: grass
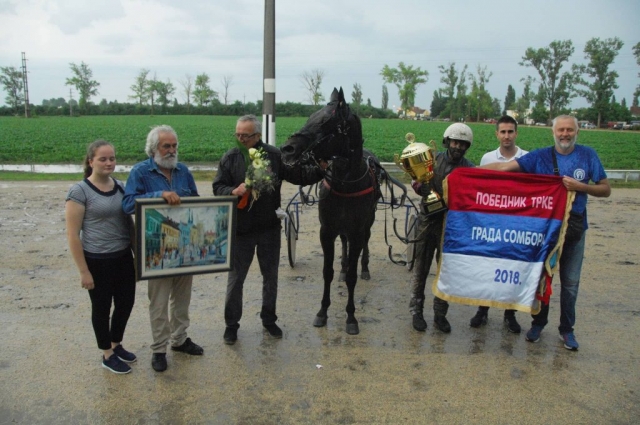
[204,139]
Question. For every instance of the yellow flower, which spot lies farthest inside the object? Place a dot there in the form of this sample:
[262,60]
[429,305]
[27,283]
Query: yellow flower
[258,163]
[252,152]
[248,181]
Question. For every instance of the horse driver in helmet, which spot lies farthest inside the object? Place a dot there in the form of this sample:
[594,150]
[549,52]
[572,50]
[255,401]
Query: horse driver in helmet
[457,139]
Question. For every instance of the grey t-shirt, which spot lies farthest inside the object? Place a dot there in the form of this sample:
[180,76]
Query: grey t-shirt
[105,227]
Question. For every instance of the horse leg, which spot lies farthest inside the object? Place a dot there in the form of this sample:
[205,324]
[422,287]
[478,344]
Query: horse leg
[364,273]
[355,249]
[328,249]
[344,260]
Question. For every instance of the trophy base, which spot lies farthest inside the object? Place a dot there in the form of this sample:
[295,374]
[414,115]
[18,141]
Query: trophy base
[432,204]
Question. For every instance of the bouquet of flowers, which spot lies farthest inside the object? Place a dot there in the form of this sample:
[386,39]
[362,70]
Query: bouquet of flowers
[258,179]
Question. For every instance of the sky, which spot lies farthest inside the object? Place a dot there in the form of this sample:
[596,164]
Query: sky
[349,40]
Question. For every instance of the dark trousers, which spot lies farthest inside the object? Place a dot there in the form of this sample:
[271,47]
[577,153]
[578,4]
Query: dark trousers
[507,313]
[115,281]
[266,245]
[429,233]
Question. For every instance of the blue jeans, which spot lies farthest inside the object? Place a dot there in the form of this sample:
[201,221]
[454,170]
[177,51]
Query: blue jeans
[570,268]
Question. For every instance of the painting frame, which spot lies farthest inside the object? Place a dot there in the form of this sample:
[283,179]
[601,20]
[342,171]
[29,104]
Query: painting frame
[195,237]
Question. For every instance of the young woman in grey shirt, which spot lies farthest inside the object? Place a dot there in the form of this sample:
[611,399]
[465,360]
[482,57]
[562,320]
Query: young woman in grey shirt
[99,235]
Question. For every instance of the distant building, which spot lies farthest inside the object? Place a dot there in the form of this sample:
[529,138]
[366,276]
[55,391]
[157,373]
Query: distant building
[516,116]
[414,113]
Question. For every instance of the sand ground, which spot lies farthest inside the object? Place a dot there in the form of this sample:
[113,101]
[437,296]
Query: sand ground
[50,366]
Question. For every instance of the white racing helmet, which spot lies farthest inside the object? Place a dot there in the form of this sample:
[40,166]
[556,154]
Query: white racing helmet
[458,131]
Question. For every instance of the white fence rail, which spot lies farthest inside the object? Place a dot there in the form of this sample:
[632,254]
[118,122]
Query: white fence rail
[626,175]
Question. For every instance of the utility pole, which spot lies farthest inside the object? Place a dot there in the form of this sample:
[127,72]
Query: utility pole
[269,74]
[27,112]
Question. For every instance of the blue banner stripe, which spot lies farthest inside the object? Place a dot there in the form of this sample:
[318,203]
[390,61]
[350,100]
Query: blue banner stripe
[519,238]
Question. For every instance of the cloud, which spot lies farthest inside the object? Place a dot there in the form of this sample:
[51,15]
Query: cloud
[71,16]
[350,40]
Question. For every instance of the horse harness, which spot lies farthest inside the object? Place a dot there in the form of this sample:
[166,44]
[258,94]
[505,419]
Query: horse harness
[374,178]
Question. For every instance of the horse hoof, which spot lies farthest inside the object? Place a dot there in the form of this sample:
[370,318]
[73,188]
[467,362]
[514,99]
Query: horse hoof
[352,329]
[320,322]
[342,277]
[365,276]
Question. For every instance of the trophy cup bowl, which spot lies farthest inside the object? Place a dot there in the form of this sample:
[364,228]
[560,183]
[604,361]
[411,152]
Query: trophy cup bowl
[417,160]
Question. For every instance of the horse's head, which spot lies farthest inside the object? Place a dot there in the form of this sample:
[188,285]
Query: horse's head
[333,131]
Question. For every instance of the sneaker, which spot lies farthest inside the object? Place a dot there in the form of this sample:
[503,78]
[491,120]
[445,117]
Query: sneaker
[442,324]
[274,330]
[480,319]
[115,365]
[189,347]
[570,342]
[124,355]
[512,324]
[159,362]
[230,336]
[419,323]
[534,333]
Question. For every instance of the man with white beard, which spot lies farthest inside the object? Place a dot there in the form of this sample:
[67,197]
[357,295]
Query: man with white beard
[582,172]
[162,176]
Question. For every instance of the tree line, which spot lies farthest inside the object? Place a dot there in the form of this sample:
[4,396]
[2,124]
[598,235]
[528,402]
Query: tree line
[463,96]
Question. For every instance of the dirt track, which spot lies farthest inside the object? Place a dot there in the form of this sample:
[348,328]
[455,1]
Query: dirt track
[50,366]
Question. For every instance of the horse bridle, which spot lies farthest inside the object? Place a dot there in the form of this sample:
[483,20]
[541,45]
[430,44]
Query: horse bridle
[307,154]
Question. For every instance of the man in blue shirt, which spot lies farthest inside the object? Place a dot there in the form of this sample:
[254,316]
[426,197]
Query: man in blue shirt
[578,165]
[162,176]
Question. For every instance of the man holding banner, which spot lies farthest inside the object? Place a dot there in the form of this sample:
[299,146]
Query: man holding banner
[507,133]
[578,165]
[457,138]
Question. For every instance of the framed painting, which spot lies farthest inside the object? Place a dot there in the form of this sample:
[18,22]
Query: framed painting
[194,237]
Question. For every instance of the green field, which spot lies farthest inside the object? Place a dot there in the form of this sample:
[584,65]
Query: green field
[203,139]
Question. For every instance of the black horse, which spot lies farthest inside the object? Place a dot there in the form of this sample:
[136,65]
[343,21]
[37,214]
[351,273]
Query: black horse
[348,194]
[307,198]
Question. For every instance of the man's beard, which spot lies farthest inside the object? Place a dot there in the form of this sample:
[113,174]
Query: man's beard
[456,154]
[564,144]
[169,161]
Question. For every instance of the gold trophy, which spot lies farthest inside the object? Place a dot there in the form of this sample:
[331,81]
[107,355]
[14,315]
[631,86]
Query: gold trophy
[417,161]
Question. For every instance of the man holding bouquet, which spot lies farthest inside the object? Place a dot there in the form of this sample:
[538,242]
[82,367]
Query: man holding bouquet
[253,171]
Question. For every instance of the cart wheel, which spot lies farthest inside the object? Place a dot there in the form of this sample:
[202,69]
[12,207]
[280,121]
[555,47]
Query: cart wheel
[411,235]
[292,237]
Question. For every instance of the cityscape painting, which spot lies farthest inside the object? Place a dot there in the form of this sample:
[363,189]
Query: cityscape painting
[194,237]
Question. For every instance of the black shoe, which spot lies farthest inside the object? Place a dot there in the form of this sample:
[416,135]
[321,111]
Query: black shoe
[159,362]
[479,319]
[115,365]
[230,336]
[512,324]
[442,324]
[419,323]
[189,347]
[124,355]
[274,330]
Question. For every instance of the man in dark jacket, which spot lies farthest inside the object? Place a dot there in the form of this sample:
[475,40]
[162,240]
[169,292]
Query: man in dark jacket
[457,138]
[258,226]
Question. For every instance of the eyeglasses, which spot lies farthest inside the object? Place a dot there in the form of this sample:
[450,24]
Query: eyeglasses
[244,136]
